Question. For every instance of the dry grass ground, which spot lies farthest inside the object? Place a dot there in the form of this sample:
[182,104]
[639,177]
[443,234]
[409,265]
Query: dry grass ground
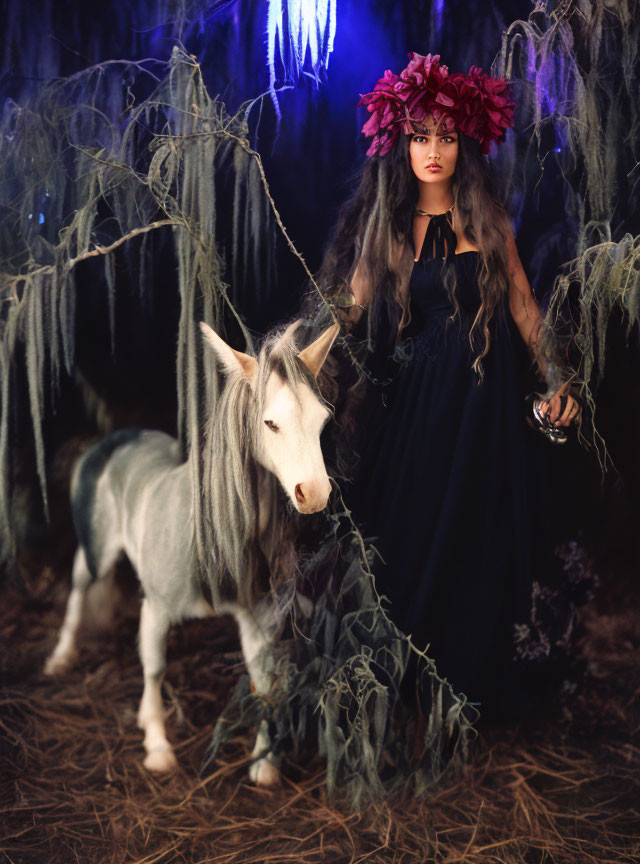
[562,788]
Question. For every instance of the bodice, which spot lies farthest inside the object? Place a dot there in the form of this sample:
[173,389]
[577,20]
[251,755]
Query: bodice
[429,296]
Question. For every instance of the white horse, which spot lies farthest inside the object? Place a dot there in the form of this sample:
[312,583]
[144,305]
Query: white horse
[132,494]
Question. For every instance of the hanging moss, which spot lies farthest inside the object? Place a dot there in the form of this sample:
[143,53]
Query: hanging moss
[75,172]
[575,67]
[337,682]
[83,149]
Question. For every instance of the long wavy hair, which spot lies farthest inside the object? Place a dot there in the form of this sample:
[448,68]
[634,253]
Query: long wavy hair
[374,231]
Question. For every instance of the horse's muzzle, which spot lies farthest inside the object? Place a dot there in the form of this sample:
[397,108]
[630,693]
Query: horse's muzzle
[312,496]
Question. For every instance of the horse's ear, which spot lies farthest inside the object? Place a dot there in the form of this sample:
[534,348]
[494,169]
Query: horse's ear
[315,354]
[232,360]
[287,334]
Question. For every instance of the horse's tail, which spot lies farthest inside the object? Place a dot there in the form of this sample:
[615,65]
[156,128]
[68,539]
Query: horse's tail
[84,482]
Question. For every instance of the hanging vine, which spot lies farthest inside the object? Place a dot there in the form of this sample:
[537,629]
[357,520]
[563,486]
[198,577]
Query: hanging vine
[125,150]
[78,170]
[100,177]
[582,110]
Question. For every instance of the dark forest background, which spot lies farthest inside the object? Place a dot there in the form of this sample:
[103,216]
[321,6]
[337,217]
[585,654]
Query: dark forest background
[311,153]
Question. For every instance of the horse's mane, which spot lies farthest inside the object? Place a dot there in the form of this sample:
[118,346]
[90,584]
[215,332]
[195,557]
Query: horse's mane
[237,556]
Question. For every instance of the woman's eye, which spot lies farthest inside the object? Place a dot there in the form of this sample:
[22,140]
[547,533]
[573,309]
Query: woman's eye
[419,138]
[271,425]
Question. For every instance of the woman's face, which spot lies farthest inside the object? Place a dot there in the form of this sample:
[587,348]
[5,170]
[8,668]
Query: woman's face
[434,151]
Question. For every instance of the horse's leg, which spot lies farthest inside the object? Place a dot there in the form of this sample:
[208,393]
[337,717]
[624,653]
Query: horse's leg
[154,628]
[64,653]
[256,642]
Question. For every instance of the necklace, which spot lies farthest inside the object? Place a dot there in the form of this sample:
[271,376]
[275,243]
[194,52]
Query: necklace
[440,239]
[420,212]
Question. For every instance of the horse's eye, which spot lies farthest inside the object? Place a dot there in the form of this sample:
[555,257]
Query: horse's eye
[273,426]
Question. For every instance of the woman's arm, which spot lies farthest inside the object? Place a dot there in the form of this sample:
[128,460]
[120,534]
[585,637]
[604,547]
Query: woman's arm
[361,290]
[353,304]
[524,308]
[562,407]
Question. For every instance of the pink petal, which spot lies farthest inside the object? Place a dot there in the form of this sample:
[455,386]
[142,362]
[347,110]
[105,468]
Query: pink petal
[372,125]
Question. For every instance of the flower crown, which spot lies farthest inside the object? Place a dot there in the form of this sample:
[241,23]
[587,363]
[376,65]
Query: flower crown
[480,106]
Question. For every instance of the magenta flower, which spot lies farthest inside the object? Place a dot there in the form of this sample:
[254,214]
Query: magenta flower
[479,105]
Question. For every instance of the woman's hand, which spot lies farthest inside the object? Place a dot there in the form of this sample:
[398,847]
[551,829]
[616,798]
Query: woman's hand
[349,316]
[562,409]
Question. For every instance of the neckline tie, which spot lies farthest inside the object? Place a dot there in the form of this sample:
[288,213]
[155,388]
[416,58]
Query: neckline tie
[440,237]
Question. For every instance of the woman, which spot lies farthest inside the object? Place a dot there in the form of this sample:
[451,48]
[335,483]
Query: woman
[450,479]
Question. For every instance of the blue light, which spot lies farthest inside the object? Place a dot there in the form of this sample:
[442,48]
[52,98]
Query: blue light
[297,30]
[551,102]
[40,218]
[437,9]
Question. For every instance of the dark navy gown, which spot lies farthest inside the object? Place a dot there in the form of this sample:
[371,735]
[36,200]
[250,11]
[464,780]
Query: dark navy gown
[451,490]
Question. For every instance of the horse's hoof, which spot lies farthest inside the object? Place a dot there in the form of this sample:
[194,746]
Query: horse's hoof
[161,761]
[56,665]
[264,773]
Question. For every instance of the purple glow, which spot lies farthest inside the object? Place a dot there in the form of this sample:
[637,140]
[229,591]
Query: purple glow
[437,15]
[299,33]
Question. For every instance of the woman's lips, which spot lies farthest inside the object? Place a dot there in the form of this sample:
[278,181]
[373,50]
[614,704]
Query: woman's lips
[434,168]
